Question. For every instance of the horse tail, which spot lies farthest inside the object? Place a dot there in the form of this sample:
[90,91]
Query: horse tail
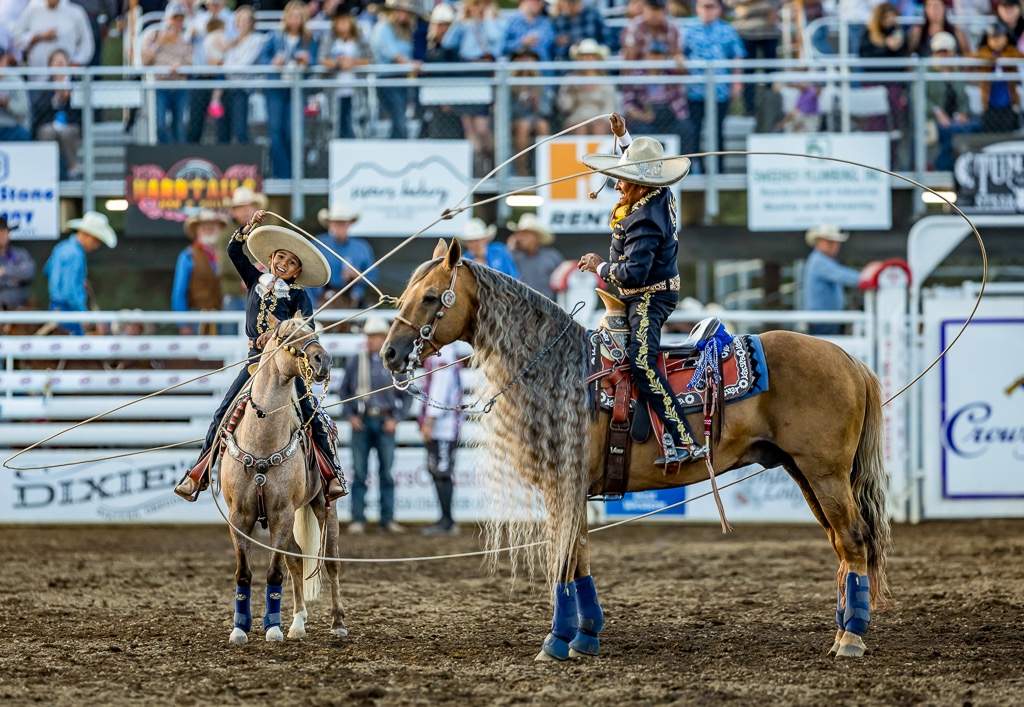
[306,529]
[870,486]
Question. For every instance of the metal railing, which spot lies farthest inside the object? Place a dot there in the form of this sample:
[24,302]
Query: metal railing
[98,92]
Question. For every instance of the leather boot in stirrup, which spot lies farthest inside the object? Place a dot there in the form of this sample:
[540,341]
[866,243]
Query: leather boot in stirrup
[196,480]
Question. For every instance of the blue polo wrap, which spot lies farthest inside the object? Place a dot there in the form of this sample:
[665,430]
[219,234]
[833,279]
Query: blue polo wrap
[272,617]
[858,604]
[243,614]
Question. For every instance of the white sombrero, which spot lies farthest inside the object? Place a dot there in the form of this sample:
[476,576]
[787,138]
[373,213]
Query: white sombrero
[643,162]
[337,212]
[828,231]
[95,224]
[477,230]
[266,240]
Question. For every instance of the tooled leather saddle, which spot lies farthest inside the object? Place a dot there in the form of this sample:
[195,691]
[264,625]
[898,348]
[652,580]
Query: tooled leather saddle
[709,369]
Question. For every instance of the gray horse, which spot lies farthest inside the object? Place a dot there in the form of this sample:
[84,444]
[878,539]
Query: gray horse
[264,457]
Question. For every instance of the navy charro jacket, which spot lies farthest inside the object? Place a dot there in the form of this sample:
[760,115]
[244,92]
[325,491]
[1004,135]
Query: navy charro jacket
[256,307]
[645,246]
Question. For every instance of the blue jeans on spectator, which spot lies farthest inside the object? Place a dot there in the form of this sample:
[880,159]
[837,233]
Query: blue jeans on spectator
[14,133]
[372,437]
[345,130]
[279,129]
[697,112]
[73,328]
[944,160]
[756,49]
[394,101]
[171,130]
[236,115]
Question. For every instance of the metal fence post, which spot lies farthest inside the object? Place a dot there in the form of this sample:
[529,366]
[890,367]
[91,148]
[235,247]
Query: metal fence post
[298,148]
[502,135]
[88,148]
[711,140]
[919,118]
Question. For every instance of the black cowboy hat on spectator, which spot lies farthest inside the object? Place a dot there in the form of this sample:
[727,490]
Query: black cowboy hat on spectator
[5,225]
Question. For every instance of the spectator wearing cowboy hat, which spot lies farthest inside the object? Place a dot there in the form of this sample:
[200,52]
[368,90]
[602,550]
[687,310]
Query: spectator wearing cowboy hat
[532,251]
[375,406]
[579,100]
[17,268]
[478,239]
[196,274]
[644,266]
[66,269]
[293,264]
[351,256]
[824,278]
[244,202]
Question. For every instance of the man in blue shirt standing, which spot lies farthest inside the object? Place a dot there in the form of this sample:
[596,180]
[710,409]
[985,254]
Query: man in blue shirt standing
[478,238]
[356,255]
[530,29]
[711,39]
[824,278]
[66,269]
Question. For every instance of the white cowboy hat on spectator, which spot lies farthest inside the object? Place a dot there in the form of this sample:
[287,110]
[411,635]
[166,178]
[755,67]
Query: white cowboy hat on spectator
[643,163]
[243,196]
[338,212]
[375,325]
[477,230]
[204,216]
[407,5]
[95,224]
[943,42]
[443,14]
[828,231]
[267,240]
[589,47]
[530,222]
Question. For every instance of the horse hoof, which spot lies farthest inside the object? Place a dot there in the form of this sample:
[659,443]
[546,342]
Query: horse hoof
[274,634]
[834,649]
[339,632]
[555,648]
[543,657]
[573,653]
[584,646]
[296,632]
[238,637]
[852,646]
[835,644]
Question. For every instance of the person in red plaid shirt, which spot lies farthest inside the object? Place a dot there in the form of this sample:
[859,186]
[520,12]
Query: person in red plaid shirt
[652,26]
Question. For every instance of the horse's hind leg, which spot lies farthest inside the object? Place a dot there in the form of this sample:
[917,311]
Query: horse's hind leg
[243,579]
[334,574]
[281,539]
[849,539]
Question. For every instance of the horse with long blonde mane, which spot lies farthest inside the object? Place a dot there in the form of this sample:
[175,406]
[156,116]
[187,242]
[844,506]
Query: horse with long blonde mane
[821,420]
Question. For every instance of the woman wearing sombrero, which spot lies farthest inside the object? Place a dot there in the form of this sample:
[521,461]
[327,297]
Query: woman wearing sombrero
[644,267]
[293,264]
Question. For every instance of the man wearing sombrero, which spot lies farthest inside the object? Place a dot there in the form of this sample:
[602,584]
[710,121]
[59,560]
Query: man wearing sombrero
[197,272]
[644,266]
[293,264]
[66,269]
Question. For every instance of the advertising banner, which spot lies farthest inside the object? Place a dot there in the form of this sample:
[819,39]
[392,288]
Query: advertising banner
[29,188]
[989,176]
[400,186]
[166,184]
[567,206]
[797,193]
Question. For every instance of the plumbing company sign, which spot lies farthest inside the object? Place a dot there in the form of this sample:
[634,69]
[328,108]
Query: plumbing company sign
[29,188]
[974,414]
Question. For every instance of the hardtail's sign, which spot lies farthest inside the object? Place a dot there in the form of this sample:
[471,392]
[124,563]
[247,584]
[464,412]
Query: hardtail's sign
[990,179]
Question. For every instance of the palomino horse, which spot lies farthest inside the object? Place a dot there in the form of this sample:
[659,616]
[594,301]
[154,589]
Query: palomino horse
[263,472]
[820,419]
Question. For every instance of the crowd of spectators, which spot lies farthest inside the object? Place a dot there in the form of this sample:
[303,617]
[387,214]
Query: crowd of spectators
[336,37]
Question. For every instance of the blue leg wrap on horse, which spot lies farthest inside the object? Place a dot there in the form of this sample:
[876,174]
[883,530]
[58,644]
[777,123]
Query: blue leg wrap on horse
[565,622]
[243,614]
[858,604]
[840,620]
[591,617]
[272,617]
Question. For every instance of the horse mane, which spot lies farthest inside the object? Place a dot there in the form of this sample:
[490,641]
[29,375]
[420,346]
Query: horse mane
[538,431]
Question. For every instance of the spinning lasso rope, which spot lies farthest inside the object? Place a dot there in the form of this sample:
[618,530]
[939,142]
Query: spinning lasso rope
[450,213]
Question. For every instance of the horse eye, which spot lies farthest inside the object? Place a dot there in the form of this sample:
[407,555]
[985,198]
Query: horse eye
[429,299]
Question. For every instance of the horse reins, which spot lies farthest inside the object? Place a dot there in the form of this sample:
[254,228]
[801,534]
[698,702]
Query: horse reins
[425,333]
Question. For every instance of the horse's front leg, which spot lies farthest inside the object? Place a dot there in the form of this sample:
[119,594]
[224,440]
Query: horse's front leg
[330,526]
[243,578]
[281,538]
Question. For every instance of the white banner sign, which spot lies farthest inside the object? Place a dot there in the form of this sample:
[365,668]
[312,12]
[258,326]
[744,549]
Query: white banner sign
[797,193]
[567,206]
[974,411]
[400,186]
[29,195]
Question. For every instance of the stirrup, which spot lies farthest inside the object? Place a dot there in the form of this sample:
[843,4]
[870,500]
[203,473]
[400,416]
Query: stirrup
[197,479]
[685,455]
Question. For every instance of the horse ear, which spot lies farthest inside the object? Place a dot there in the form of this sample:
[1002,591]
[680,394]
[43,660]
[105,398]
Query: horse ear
[298,315]
[272,322]
[454,254]
[440,249]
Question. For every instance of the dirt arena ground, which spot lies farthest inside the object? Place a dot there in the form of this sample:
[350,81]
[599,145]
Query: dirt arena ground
[140,615]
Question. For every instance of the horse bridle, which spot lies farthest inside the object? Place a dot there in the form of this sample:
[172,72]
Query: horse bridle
[305,370]
[425,333]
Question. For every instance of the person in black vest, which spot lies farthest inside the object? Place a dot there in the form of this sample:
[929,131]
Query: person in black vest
[644,267]
[293,264]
